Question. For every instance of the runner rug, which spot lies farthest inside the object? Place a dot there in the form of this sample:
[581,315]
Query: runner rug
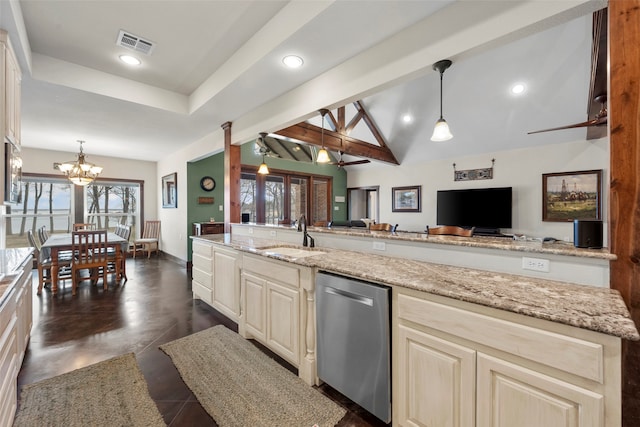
[109,393]
[239,386]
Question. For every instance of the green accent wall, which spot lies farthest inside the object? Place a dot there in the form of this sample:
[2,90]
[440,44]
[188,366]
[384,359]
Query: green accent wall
[213,166]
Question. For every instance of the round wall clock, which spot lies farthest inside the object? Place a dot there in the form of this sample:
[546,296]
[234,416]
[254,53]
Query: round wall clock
[207,183]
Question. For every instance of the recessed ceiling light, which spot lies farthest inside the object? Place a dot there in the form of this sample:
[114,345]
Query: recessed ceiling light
[131,60]
[517,88]
[292,61]
[407,118]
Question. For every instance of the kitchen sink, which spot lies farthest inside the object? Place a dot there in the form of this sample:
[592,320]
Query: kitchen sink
[290,252]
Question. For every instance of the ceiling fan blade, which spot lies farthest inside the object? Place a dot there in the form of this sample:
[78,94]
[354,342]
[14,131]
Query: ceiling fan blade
[593,122]
[356,162]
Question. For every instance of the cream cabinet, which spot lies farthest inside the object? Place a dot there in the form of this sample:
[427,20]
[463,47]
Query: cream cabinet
[11,83]
[15,329]
[216,277]
[278,309]
[459,364]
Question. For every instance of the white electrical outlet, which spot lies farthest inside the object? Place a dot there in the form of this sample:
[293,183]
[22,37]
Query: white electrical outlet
[379,246]
[220,208]
[535,264]
[272,233]
[251,231]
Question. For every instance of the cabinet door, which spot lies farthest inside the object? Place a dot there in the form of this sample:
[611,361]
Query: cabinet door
[254,303]
[225,284]
[12,98]
[436,381]
[283,308]
[511,395]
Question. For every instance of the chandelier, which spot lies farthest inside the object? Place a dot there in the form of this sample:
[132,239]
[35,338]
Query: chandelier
[79,171]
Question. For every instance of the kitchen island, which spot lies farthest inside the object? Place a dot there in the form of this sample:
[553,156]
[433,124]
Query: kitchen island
[490,345]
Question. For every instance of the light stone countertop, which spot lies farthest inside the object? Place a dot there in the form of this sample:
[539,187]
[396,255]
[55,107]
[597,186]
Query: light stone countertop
[597,309]
[486,242]
[11,261]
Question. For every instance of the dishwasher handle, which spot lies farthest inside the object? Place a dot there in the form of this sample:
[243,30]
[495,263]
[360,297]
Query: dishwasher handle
[354,297]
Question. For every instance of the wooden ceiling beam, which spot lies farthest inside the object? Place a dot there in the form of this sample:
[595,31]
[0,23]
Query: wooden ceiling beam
[335,141]
[340,140]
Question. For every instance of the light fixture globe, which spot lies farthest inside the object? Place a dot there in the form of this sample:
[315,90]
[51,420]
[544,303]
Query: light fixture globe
[441,130]
[323,154]
[263,169]
[79,171]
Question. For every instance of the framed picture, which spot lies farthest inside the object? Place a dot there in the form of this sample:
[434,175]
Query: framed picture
[406,199]
[170,190]
[572,195]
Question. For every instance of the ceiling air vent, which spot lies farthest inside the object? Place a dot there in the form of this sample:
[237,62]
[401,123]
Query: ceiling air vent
[133,42]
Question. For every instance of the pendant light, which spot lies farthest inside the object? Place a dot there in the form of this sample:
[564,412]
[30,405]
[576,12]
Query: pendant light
[323,155]
[79,171]
[441,130]
[263,169]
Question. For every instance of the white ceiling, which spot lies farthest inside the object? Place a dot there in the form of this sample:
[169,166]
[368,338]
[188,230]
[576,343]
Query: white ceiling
[217,61]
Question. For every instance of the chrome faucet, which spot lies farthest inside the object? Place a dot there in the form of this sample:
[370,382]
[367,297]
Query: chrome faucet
[302,226]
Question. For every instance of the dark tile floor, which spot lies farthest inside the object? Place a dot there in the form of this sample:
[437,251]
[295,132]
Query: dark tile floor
[154,307]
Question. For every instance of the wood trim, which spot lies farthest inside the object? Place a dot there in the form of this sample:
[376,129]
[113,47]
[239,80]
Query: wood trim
[624,196]
[232,161]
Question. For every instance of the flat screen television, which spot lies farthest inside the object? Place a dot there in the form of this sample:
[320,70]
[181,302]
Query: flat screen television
[487,209]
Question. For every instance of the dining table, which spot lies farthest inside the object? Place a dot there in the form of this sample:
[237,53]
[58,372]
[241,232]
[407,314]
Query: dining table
[60,242]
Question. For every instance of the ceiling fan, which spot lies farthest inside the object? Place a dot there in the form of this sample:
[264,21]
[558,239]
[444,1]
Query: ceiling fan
[342,163]
[599,119]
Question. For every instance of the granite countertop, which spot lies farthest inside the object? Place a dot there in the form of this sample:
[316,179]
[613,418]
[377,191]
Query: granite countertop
[498,243]
[11,261]
[597,309]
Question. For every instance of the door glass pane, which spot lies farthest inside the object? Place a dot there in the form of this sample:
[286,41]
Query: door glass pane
[43,202]
[273,199]
[248,195]
[320,200]
[298,198]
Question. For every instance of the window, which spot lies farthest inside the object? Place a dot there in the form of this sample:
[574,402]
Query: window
[282,197]
[56,204]
[109,204]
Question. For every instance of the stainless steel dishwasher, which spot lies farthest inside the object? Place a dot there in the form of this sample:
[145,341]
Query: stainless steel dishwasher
[353,335]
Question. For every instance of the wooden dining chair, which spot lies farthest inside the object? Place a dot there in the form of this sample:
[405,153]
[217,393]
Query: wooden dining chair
[117,256]
[44,265]
[79,226]
[90,249]
[150,239]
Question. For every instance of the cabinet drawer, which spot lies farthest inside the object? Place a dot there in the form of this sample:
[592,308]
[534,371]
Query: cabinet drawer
[202,292]
[7,310]
[202,262]
[202,277]
[202,248]
[273,269]
[579,357]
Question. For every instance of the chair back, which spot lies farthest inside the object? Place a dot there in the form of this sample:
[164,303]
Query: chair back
[32,241]
[43,234]
[84,226]
[89,247]
[125,231]
[151,230]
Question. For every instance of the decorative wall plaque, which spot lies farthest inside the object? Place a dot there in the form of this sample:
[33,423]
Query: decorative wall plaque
[473,174]
[205,200]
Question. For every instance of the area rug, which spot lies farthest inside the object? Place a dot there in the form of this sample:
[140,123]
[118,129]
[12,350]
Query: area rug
[239,386]
[109,393]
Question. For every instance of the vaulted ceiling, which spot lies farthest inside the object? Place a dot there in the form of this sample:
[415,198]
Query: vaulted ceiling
[219,61]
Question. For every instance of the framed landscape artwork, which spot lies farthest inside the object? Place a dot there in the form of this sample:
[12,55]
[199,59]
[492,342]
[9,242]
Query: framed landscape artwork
[406,199]
[572,195]
[170,191]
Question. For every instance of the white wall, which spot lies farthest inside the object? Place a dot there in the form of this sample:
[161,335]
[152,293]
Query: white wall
[521,169]
[41,161]
[174,221]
